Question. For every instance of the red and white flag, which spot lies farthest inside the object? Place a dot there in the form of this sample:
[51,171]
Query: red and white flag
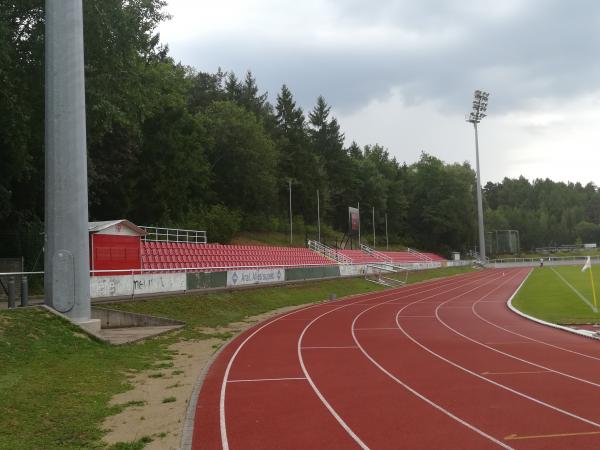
[587,265]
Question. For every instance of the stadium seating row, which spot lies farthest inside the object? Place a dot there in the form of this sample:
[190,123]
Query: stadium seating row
[173,255]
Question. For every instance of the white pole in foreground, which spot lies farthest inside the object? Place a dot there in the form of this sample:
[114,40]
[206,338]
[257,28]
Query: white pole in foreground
[67,276]
[480,102]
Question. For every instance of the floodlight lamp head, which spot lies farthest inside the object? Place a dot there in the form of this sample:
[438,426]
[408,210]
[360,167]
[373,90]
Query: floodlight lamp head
[480,103]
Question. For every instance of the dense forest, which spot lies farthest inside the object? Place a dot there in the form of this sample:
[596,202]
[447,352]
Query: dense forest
[169,145]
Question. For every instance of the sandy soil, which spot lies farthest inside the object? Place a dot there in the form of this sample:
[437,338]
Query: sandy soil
[159,397]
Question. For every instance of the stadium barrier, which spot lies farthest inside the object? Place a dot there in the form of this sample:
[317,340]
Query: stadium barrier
[548,261]
[131,283]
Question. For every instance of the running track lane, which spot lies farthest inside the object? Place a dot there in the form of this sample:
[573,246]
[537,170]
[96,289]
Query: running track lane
[442,364]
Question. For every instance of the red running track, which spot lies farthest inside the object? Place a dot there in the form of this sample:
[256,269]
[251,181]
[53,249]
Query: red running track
[436,365]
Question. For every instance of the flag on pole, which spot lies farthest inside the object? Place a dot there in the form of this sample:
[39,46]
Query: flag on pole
[587,265]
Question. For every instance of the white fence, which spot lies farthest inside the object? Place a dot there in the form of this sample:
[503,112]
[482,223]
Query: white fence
[548,261]
[155,234]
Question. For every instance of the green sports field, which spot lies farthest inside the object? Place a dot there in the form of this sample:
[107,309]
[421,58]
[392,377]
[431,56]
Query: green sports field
[560,295]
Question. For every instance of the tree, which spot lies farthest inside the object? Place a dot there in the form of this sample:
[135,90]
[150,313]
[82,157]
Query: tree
[297,161]
[242,157]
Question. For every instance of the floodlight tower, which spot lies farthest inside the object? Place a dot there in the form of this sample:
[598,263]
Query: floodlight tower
[480,102]
[66,265]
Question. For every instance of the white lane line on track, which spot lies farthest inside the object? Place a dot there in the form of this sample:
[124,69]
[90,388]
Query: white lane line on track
[373,296]
[531,363]
[509,389]
[418,394]
[473,308]
[408,316]
[318,393]
[341,346]
[514,373]
[377,328]
[333,412]
[251,380]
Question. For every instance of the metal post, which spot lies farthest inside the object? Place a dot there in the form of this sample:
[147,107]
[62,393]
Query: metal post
[373,227]
[24,292]
[291,223]
[358,207]
[67,277]
[387,242]
[479,199]
[318,216]
[11,293]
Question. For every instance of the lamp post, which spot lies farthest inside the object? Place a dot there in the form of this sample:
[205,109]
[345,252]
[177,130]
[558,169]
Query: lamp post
[291,220]
[358,207]
[387,241]
[66,266]
[480,102]
[373,227]
[318,216]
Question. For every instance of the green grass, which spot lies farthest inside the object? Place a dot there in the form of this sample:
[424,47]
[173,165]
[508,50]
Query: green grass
[221,308]
[56,383]
[547,297]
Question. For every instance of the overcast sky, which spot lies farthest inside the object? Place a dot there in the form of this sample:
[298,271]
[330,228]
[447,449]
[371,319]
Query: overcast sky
[401,73]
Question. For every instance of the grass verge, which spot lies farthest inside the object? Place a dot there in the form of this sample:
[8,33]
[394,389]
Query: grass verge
[56,383]
[547,296]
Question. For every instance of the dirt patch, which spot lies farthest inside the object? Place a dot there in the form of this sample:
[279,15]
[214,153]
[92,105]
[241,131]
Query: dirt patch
[149,408]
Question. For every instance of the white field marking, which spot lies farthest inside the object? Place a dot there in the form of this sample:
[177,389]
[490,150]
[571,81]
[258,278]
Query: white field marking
[520,394]
[579,294]
[316,347]
[314,387]
[251,380]
[486,277]
[333,412]
[530,338]
[418,394]
[530,363]
[371,296]
[509,343]
[514,373]
[376,328]
[409,316]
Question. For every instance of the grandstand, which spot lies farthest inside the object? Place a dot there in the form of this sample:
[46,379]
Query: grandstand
[121,245]
[173,255]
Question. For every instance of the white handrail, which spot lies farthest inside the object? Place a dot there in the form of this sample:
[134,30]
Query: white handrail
[418,254]
[375,253]
[328,252]
[157,234]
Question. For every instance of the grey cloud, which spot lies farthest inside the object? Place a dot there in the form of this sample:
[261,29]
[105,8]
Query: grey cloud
[546,49]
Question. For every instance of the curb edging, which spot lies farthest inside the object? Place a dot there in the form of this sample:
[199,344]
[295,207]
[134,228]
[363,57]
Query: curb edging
[584,333]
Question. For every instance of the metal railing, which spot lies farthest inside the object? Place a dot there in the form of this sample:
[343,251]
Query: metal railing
[375,253]
[156,234]
[547,260]
[418,254]
[328,252]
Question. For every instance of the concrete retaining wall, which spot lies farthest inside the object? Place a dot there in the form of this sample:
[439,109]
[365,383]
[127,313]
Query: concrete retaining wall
[112,318]
[153,283]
